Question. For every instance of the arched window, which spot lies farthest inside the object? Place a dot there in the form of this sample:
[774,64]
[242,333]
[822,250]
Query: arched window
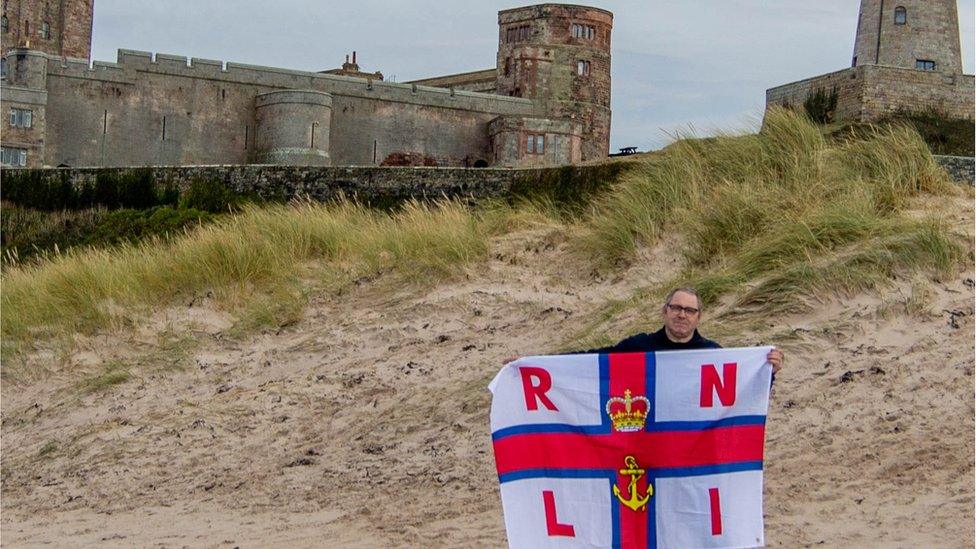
[901,15]
[4,24]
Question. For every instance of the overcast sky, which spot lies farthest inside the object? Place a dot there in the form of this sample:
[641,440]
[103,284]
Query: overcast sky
[676,63]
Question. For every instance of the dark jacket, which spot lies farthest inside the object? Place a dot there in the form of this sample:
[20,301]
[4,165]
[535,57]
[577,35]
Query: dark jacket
[658,341]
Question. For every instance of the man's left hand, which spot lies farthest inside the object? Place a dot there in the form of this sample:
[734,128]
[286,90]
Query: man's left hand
[775,357]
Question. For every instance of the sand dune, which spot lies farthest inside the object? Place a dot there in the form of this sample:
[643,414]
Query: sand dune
[365,424]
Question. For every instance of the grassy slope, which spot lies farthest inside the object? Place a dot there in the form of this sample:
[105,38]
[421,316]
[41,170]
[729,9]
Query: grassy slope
[770,218]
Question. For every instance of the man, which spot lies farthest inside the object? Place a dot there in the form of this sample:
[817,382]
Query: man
[681,313]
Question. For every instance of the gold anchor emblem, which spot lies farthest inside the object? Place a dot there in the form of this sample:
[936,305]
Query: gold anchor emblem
[636,501]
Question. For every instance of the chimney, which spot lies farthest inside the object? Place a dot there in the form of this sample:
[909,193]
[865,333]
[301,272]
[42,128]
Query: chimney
[354,57]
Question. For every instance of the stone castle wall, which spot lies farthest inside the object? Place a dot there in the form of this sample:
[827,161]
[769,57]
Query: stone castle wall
[869,92]
[167,110]
[850,91]
[477,81]
[170,110]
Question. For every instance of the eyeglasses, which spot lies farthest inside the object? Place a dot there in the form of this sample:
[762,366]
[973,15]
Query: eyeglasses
[690,311]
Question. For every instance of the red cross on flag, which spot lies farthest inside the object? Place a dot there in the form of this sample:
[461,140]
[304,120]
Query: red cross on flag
[634,449]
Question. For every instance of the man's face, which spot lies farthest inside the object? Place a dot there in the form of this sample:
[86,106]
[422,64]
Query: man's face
[678,321]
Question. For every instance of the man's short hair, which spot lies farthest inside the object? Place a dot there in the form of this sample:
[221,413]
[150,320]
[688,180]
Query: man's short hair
[692,291]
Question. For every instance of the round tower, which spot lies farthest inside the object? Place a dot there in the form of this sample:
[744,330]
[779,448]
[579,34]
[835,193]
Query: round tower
[293,127]
[912,34]
[559,56]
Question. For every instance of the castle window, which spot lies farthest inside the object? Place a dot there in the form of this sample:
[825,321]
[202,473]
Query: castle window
[535,143]
[10,156]
[21,118]
[924,65]
[4,24]
[583,68]
[901,15]
[46,30]
[585,32]
[3,68]
[517,34]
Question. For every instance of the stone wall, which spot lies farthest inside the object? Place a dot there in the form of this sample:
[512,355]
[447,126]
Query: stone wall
[168,110]
[869,92]
[888,89]
[849,84]
[476,81]
[375,185]
[960,168]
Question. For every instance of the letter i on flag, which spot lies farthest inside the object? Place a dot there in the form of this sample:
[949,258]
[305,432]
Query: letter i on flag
[633,449]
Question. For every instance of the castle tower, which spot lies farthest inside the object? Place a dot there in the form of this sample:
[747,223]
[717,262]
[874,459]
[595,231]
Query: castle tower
[911,34]
[559,56]
[56,27]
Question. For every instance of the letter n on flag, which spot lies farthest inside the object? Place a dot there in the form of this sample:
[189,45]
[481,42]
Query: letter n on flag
[633,449]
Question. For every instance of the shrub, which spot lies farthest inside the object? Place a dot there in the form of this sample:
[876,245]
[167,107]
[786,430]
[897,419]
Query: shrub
[943,134]
[821,105]
[28,233]
[210,196]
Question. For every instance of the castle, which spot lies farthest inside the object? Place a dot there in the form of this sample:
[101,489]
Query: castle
[906,58]
[547,101]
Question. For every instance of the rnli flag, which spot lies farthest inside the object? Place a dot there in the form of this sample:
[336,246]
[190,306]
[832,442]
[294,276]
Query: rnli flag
[632,450]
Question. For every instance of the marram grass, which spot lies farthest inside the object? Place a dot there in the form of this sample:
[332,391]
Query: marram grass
[258,253]
[769,219]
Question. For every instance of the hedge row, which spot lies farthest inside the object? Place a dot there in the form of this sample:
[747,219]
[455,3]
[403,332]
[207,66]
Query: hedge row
[27,232]
[131,189]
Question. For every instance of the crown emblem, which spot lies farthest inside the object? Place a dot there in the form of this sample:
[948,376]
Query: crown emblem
[625,416]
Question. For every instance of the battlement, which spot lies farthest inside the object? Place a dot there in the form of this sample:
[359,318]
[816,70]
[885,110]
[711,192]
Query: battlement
[131,63]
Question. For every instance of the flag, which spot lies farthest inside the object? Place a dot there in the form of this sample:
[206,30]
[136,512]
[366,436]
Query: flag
[632,450]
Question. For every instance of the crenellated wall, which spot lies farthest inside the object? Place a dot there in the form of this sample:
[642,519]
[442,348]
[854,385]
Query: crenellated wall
[170,110]
[150,110]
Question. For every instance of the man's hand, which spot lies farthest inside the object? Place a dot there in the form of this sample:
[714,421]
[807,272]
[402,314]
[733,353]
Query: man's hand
[775,357]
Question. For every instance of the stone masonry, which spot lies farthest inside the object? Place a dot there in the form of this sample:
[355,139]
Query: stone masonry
[151,110]
[906,57]
[63,29]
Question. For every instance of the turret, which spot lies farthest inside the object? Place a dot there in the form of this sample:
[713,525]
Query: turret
[559,56]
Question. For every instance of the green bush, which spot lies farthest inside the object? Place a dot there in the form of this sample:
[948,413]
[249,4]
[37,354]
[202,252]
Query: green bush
[27,232]
[821,105]
[942,133]
[210,196]
[51,190]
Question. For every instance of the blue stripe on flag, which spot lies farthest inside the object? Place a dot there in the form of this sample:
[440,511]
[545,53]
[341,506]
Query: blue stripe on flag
[604,390]
[559,473]
[540,428]
[650,385]
[652,514]
[706,425]
[716,469]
